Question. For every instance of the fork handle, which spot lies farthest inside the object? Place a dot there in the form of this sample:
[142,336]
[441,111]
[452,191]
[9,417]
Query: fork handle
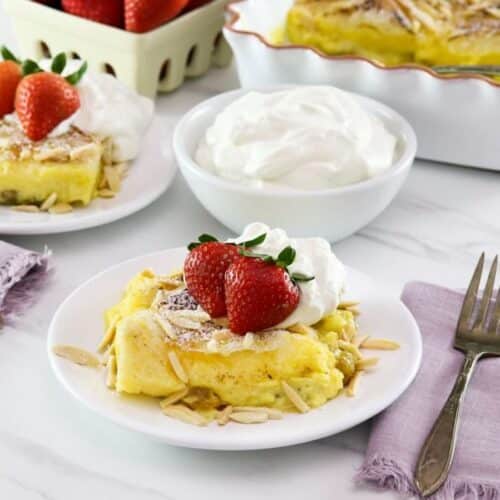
[437,453]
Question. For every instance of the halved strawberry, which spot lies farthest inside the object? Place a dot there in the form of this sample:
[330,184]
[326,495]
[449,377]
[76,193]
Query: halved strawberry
[260,293]
[10,76]
[45,99]
[146,15]
[101,11]
[204,270]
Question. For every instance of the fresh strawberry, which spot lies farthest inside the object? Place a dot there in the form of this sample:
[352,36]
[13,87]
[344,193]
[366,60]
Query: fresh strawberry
[146,15]
[204,270]
[101,11]
[10,76]
[260,293]
[45,99]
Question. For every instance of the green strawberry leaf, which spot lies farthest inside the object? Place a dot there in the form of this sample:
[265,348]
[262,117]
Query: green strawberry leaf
[256,241]
[298,277]
[58,63]
[286,257]
[8,55]
[203,238]
[253,255]
[206,238]
[30,67]
[75,77]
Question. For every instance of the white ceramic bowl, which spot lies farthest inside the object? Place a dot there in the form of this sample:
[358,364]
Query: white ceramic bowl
[455,117]
[333,213]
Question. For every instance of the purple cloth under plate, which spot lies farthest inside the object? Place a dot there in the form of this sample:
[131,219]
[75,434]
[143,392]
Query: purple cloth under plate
[22,273]
[399,433]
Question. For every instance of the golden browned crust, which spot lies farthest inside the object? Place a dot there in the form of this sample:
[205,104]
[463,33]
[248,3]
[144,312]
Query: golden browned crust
[445,17]
[74,145]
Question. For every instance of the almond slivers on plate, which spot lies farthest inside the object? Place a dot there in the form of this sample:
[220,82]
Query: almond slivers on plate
[77,355]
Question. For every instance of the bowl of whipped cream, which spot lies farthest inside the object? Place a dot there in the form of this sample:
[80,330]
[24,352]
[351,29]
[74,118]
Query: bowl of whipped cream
[314,160]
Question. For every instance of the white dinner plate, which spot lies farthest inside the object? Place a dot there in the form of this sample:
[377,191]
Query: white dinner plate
[149,175]
[79,321]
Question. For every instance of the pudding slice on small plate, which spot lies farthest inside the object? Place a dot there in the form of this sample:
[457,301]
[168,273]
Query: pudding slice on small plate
[79,322]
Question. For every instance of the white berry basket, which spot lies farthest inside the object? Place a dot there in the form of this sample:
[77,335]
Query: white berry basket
[157,61]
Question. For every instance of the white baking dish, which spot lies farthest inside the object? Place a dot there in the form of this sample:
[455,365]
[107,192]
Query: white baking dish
[455,117]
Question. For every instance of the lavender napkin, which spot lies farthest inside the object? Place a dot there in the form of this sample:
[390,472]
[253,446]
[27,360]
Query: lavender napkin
[22,273]
[399,433]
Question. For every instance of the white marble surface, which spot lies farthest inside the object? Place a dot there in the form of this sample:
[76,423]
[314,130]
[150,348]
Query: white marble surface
[53,449]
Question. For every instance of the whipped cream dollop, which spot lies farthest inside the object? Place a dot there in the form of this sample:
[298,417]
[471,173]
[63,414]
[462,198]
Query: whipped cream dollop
[319,296]
[309,137]
[107,108]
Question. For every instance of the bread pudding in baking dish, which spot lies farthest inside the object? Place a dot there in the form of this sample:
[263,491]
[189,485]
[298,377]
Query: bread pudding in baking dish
[429,32]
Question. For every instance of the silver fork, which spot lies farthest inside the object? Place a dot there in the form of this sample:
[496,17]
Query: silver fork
[477,336]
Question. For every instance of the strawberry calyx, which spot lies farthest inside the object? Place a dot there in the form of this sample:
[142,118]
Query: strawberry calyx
[206,238]
[7,55]
[285,258]
[30,67]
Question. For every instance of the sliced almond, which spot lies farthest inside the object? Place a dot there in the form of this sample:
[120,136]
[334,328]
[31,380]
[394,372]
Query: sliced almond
[111,376]
[364,363]
[175,397]
[166,326]
[108,338]
[51,199]
[33,209]
[84,152]
[103,183]
[249,417]
[176,274]
[182,321]
[77,355]
[272,413]
[121,168]
[359,340]
[177,367]
[60,208]
[185,414]
[347,304]
[347,346]
[106,193]
[196,315]
[223,417]
[48,153]
[107,151]
[295,398]
[113,178]
[169,283]
[352,386]
[304,330]
[379,344]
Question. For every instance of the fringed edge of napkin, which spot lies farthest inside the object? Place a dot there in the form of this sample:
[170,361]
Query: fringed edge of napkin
[28,273]
[385,473]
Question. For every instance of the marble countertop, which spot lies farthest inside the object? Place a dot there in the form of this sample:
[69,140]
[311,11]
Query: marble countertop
[51,448]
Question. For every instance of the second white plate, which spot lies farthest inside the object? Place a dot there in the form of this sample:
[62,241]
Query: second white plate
[79,321]
[149,175]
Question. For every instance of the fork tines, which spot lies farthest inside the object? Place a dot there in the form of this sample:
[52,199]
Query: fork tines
[477,320]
